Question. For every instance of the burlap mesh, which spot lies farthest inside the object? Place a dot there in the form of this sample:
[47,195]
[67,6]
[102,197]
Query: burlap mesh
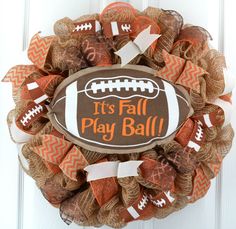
[181,202]
[224,139]
[66,56]
[183,184]
[215,79]
[109,213]
[165,42]
[130,190]
[153,13]
[198,100]
[125,14]
[170,19]
[76,199]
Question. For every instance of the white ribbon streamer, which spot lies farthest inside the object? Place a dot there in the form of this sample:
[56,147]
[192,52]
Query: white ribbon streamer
[17,134]
[230,81]
[140,44]
[112,169]
[23,161]
[227,108]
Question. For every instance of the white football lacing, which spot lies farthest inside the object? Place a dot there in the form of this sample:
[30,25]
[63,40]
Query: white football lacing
[85,26]
[199,134]
[126,27]
[30,114]
[143,203]
[117,85]
[159,203]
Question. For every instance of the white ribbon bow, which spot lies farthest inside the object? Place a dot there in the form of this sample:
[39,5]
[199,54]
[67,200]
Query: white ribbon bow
[230,81]
[112,169]
[228,109]
[140,44]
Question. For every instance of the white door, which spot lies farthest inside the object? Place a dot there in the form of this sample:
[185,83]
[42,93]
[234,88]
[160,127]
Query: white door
[22,205]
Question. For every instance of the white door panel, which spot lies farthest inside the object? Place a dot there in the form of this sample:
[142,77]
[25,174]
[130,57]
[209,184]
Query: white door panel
[228,204]
[215,211]
[10,48]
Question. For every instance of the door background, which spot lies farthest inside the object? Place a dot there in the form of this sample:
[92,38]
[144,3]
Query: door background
[22,205]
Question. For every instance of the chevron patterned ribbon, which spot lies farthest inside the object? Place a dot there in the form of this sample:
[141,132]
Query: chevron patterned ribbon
[182,72]
[73,162]
[38,49]
[17,75]
[201,184]
[59,156]
[53,149]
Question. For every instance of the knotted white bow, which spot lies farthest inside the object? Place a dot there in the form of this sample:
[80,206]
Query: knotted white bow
[140,44]
[112,169]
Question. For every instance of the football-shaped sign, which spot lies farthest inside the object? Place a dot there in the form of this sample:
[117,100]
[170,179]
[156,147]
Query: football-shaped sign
[118,110]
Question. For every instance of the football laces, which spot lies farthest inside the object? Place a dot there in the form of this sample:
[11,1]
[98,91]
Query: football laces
[127,85]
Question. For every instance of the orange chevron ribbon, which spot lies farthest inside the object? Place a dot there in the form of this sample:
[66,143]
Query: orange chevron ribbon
[201,184]
[59,156]
[173,68]
[180,71]
[38,49]
[53,149]
[73,162]
[18,74]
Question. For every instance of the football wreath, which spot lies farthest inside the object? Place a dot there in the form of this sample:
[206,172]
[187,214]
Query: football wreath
[122,116]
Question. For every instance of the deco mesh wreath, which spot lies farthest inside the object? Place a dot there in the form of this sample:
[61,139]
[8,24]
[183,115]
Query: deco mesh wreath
[123,116]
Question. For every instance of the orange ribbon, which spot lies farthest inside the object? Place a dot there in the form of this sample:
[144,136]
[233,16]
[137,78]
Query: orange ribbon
[17,74]
[201,185]
[179,71]
[43,83]
[39,49]
[144,206]
[32,113]
[191,135]
[158,172]
[104,189]
[60,154]
[140,209]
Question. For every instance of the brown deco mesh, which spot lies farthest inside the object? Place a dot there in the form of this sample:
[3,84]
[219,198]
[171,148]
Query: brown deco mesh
[176,169]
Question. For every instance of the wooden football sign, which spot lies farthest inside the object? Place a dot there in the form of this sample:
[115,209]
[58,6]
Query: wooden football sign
[118,110]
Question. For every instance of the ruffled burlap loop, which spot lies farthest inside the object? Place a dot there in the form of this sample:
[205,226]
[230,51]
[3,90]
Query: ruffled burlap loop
[130,190]
[183,184]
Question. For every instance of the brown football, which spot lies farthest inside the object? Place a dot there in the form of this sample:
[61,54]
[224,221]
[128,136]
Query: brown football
[118,110]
